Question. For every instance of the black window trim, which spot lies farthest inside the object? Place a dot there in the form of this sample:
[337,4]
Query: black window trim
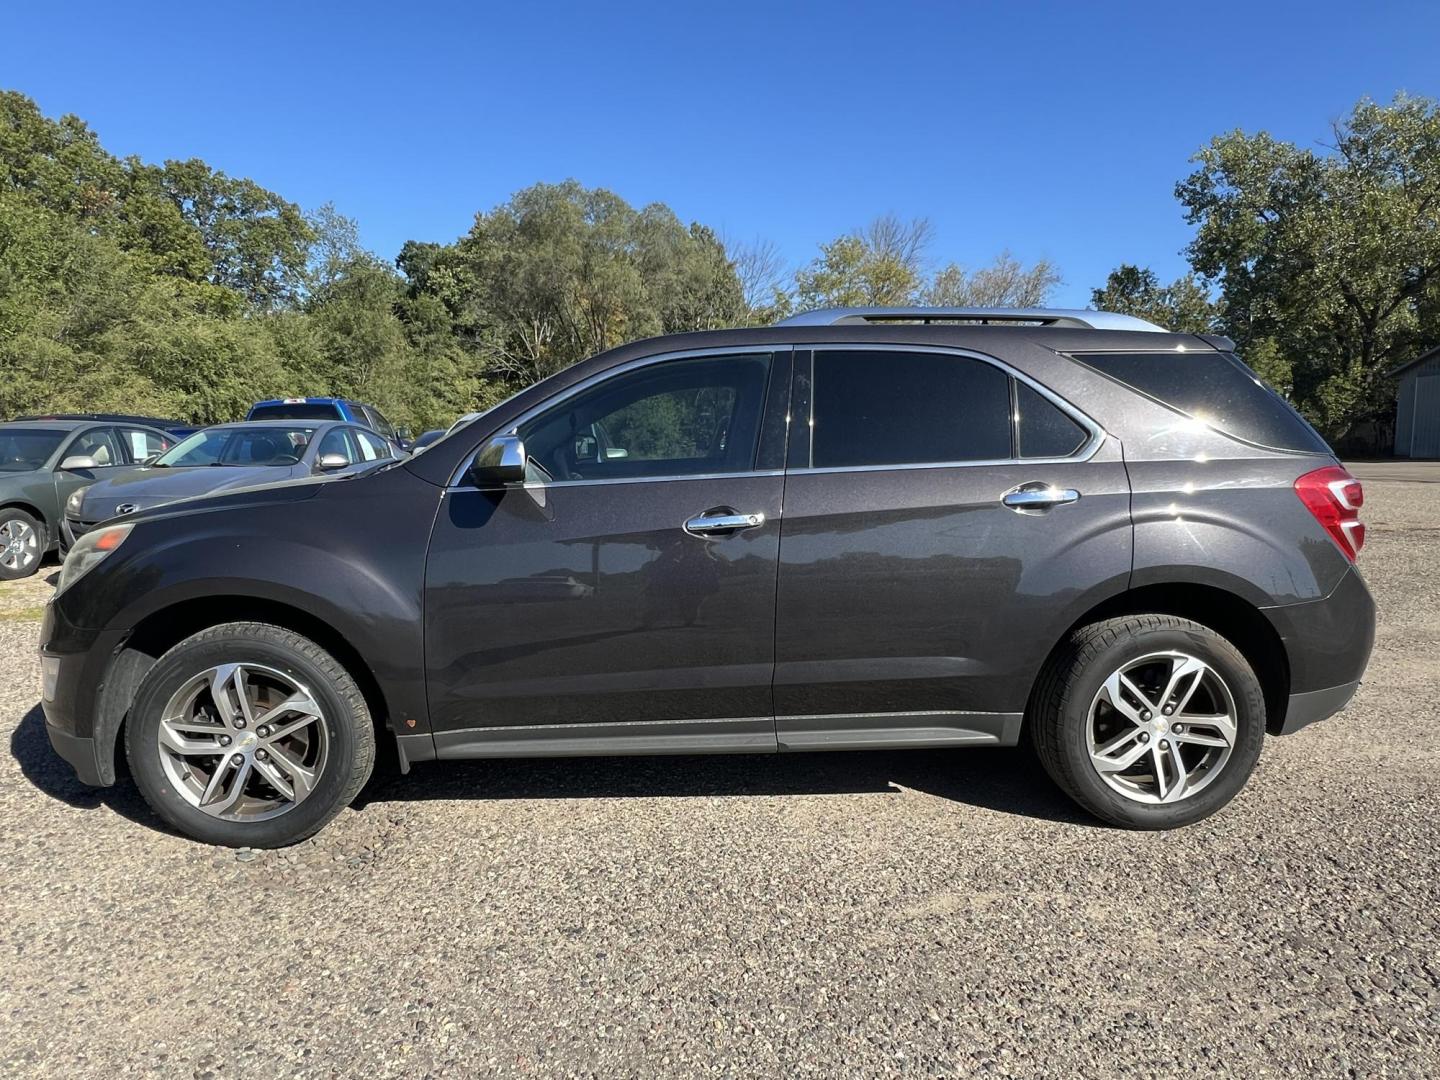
[1095,433]
[458,479]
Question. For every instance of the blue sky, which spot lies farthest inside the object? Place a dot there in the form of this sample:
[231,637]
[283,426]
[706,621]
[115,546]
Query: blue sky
[1054,130]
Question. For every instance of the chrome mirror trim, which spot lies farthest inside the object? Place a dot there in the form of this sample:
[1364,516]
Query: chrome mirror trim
[500,461]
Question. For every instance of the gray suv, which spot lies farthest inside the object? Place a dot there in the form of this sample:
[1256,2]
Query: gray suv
[853,530]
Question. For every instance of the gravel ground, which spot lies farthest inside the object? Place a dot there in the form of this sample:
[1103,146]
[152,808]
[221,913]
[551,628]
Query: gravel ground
[926,913]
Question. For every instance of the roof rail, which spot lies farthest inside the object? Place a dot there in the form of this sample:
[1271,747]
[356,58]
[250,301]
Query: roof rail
[1074,318]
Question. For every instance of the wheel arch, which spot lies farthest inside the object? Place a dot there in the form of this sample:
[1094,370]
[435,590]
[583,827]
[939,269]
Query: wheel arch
[166,627]
[1230,615]
[33,510]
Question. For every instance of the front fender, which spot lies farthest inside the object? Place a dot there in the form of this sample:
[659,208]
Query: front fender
[350,555]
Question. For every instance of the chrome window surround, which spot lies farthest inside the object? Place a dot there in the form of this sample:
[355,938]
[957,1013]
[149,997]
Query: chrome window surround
[1084,453]
[456,479]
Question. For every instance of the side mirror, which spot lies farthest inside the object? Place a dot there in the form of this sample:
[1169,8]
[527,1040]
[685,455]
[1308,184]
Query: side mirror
[76,462]
[403,436]
[331,462]
[500,461]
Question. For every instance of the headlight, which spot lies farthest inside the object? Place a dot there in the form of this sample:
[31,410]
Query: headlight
[89,551]
[72,504]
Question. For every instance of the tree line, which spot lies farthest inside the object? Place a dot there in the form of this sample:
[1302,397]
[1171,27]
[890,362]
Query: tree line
[177,290]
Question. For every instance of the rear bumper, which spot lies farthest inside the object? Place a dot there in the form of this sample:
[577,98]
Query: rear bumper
[1306,709]
[1327,643]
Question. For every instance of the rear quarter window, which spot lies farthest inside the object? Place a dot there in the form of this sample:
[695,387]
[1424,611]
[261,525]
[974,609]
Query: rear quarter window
[1216,389]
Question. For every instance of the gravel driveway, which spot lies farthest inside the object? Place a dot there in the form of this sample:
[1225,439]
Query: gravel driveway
[932,913]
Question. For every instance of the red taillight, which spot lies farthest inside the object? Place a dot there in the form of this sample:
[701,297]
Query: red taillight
[1335,498]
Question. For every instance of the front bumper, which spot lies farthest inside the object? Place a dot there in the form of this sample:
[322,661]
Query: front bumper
[79,753]
[73,660]
[71,529]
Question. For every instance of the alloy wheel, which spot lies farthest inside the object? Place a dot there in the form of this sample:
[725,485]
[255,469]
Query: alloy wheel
[19,545]
[243,742]
[1161,728]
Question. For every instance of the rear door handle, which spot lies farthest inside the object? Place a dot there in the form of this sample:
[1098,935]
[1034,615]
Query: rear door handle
[722,520]
[1037,497]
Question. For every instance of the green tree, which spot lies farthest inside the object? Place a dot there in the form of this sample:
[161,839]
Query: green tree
[1328,261]
[881,265]
[1184,306]
[884,265]
[258,243]
[1004,283]
[561,271]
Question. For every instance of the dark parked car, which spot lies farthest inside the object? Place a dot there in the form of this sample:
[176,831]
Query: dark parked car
[42,462]
[329,408]
[427,438]
[223,458]
[856,529]
[177,428]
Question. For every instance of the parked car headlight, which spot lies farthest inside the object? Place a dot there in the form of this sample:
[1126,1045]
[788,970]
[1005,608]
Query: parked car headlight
[72,504]
[89,551]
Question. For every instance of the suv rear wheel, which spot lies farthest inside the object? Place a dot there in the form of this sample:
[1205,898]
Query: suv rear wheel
[1149,721]
[248,734]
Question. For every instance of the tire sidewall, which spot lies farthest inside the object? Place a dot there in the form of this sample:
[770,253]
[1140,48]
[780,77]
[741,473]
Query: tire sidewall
[42,533]
[1249,721]
[143,751]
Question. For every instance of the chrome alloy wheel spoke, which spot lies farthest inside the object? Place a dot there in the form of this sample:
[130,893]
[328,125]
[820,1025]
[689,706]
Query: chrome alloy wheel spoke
[243,741]
[1161,728]
[19,545]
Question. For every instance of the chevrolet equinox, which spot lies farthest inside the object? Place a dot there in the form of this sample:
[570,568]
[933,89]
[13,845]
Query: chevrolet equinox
[921,528]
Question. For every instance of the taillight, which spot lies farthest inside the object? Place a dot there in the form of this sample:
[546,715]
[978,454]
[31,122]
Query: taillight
[1335,498]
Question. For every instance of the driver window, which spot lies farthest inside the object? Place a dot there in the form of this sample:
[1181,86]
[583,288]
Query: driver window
[674,418]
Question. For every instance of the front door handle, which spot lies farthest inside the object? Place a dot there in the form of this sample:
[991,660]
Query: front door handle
[1037,497]
[722,520]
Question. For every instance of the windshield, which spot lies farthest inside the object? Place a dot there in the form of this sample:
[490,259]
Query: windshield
[23,449]
[266,445]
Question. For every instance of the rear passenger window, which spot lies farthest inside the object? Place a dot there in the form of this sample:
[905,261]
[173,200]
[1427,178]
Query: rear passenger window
[1042,429]
[907,408]
[143,444]
[1216,389]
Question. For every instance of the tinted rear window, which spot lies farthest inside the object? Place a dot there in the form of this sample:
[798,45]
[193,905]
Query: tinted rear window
[297,411]
[1216,389]
[904,408]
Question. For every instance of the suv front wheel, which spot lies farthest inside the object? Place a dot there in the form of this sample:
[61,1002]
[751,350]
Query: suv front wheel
[1148,721]
[247,734]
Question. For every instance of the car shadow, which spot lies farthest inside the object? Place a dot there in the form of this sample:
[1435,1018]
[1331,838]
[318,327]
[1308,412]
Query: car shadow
[1008,781]
[30,747]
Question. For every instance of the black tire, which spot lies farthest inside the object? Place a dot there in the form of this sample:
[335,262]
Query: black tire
[348,727]
[42,536]
[1059,715]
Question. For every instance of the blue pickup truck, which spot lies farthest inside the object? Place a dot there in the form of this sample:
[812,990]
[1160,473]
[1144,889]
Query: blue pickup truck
[330,408]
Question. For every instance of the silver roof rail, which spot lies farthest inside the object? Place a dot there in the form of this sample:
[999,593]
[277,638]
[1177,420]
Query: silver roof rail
[1075,318]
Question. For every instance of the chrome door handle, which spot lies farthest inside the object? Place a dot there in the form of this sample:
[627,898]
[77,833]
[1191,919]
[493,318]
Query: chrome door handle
[1037,497]
[708,523]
